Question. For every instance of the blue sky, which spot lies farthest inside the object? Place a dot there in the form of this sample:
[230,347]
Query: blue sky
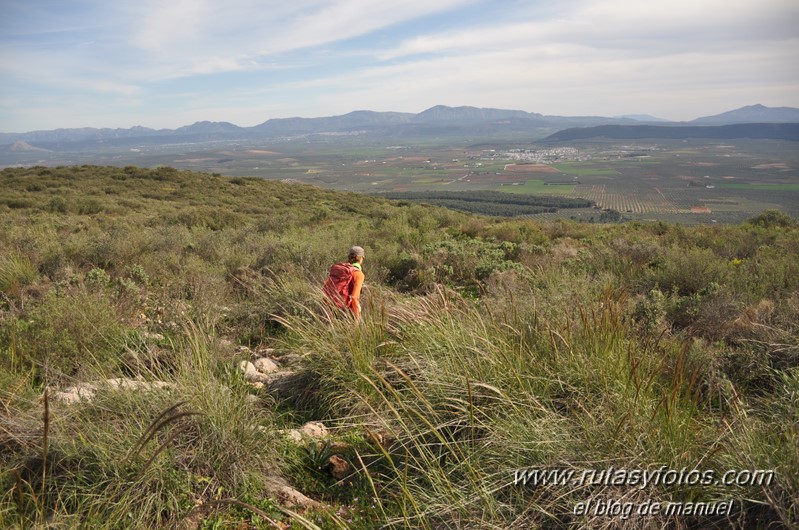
[168,63]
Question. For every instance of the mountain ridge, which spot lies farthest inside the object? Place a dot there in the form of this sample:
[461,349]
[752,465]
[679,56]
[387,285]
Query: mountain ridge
[770,131]
[439,119]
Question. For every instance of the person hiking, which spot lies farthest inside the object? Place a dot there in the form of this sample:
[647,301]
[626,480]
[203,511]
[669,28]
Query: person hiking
[343,284]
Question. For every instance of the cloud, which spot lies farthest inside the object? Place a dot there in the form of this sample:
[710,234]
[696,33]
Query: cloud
[318,57]
[190,37]
[654,27]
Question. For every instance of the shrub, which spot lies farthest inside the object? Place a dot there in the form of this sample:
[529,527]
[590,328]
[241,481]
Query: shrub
[687,270]
[98,278]
[69,329]
[464,262]
[773,219]
[57,204]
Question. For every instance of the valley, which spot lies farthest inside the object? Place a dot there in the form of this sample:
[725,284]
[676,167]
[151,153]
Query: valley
[692,181]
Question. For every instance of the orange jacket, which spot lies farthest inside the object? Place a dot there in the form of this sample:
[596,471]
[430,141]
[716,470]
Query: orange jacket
[354,302]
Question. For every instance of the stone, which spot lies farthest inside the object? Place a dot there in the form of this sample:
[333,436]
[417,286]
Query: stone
[87,391]
[293,435]
[287,496]
[251,374]
[76,393]
[289,360]
[314,430]
[339,467]
[265,365]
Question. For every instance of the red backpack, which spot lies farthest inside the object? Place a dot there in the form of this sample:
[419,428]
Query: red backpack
[339,284]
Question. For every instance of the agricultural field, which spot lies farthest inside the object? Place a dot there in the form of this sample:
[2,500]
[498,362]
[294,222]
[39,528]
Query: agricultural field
[687,181]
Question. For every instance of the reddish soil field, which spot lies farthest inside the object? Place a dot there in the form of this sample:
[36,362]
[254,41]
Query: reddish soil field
[530,168]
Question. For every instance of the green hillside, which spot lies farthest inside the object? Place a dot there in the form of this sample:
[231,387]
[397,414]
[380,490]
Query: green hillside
[653,364]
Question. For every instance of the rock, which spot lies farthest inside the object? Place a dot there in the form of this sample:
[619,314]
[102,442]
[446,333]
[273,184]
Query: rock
[76,393]
[339,467]
[294,435]
[289,360]
[251,374]
[265,365]
[315,430]
[287,496]
[87,391]
[135,384]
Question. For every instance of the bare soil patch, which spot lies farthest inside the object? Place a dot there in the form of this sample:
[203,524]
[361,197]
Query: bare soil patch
[530,168]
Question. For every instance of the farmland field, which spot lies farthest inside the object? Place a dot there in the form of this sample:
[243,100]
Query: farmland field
[540,187]
[688,181]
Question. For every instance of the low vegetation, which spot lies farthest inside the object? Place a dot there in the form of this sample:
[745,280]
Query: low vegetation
[488,346]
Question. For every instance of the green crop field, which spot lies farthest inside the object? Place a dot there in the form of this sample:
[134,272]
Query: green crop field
[538,187]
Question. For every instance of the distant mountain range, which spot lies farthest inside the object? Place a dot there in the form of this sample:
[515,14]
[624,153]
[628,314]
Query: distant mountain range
[435,121]
[752,114]
[771,131]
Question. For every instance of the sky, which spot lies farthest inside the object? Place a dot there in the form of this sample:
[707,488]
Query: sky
[169,63]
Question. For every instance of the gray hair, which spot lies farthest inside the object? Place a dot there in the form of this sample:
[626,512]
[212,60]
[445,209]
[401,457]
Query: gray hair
[356,252]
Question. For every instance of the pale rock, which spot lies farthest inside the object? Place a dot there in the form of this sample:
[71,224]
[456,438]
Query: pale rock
[314,430]
[265,365]
[287,496]
[251,374]
[87,391]
[293,435]
[76,393]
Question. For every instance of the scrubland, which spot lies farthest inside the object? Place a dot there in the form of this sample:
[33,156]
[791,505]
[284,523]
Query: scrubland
[487,346]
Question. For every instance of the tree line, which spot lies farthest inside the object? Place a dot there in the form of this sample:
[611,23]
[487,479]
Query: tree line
[492,202]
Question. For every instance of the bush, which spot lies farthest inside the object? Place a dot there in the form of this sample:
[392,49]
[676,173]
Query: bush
[773,219]
[467,261]
[68,330]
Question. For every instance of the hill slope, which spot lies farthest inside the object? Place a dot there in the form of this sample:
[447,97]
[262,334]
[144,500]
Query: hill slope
[773,131]
[752,114]
[489,349]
